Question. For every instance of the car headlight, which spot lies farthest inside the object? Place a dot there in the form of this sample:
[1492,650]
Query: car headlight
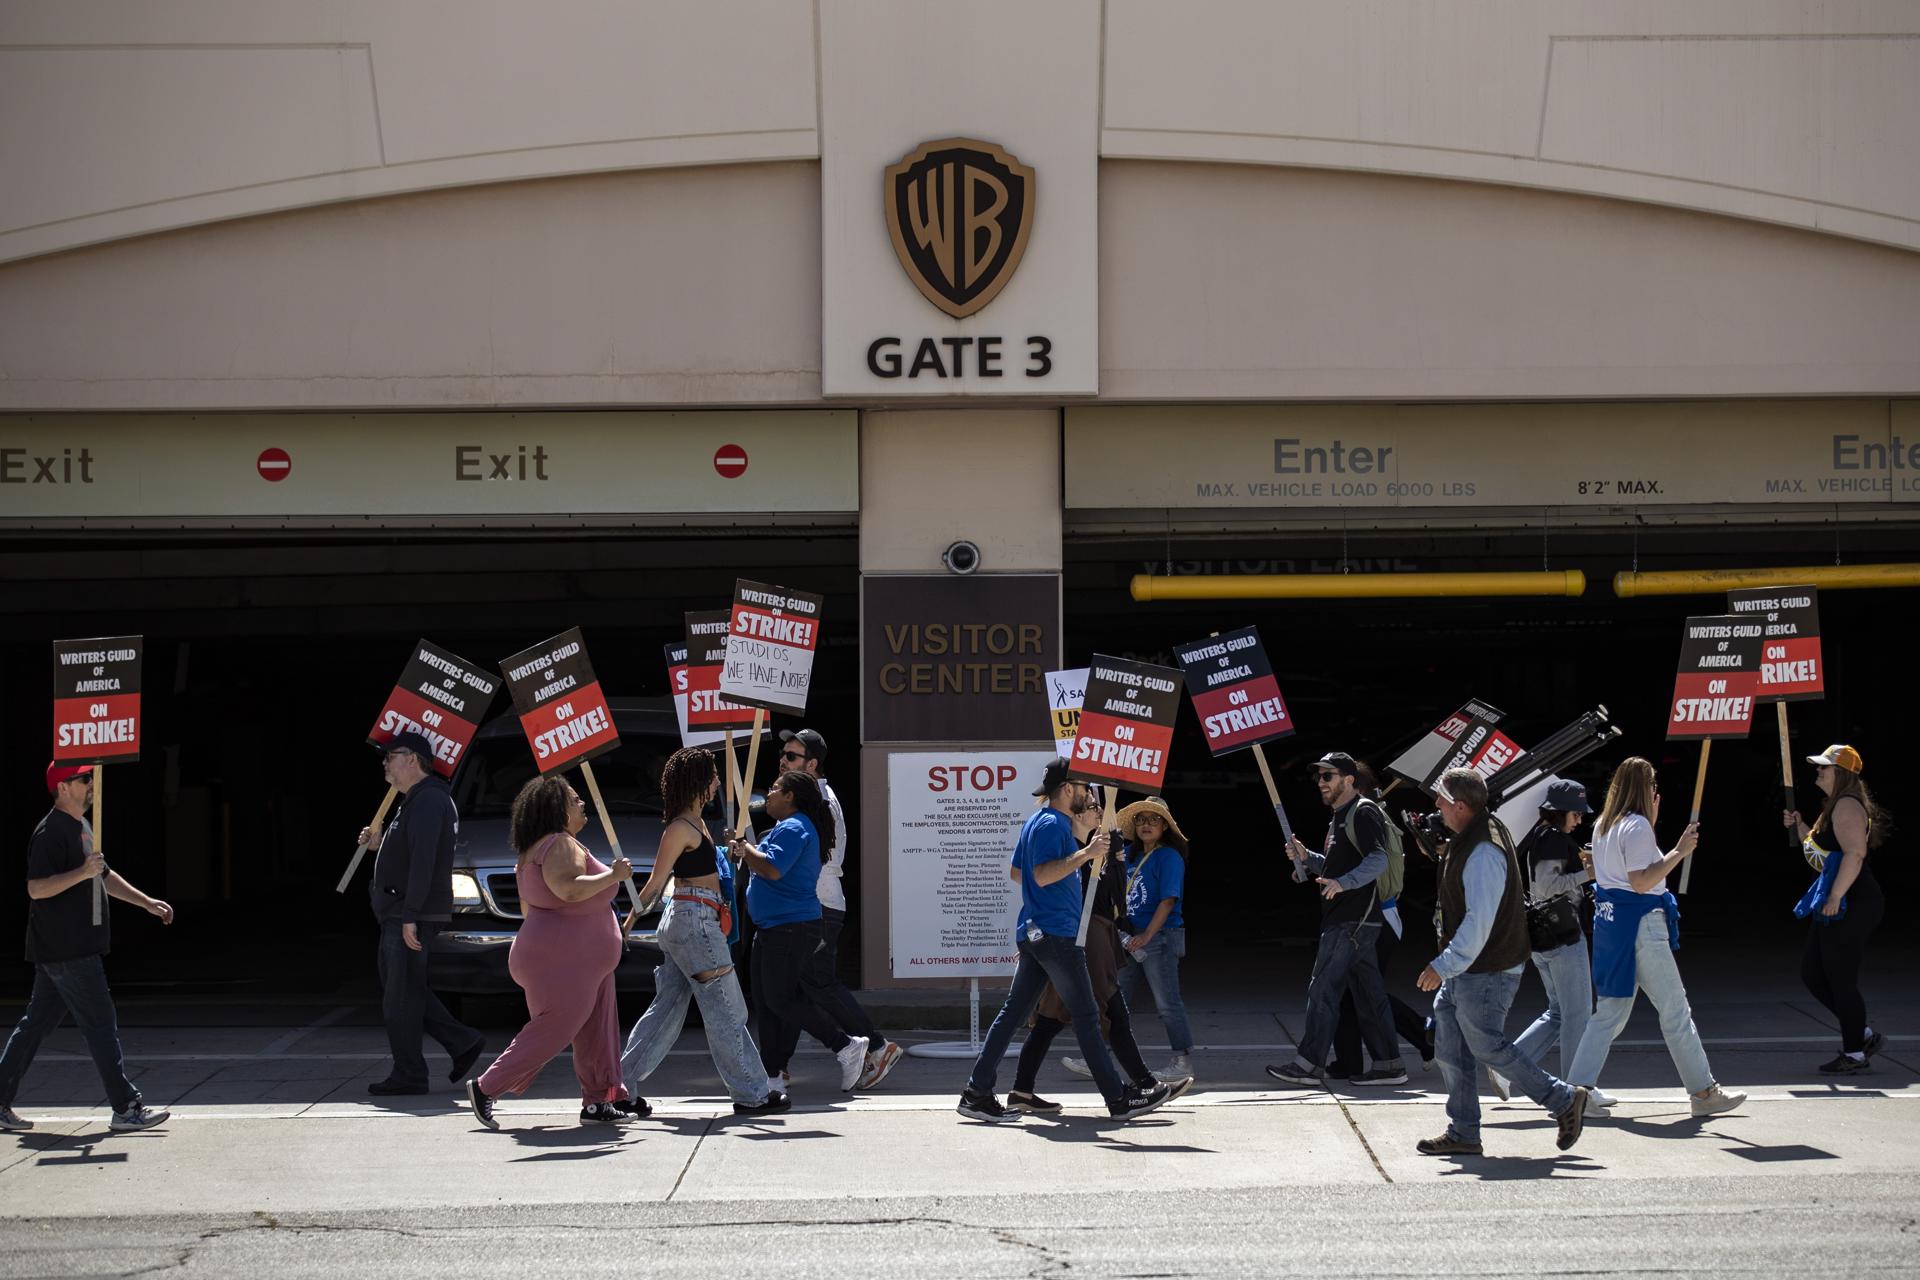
[466,890]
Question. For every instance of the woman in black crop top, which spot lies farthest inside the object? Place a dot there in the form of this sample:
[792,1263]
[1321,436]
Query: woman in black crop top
[1845,904]
[696,963]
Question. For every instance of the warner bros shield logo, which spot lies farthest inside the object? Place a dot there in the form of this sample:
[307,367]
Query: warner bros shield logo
[959,212]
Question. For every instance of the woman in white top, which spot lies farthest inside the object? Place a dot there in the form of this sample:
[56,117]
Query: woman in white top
[1636,927]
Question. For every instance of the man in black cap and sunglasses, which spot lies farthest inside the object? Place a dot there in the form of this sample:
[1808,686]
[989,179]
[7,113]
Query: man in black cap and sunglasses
[1346,871]
[806,751]
[412,891]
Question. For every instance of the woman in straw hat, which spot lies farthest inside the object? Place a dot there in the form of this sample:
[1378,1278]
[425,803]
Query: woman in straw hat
[1156,882]
[1844,903]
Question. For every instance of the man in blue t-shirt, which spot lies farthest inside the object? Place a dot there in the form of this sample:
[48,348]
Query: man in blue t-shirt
[1046,862]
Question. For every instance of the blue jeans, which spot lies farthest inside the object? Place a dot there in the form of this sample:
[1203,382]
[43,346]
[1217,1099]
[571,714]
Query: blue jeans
[1059,961]
[1655,973]
[1470,1032]
[1567,974]
[1159,964]
[691,942]
[1349,955]
[78,987]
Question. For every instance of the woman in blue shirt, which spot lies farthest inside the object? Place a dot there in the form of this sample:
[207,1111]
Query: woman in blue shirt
[1156,881]
[784,900]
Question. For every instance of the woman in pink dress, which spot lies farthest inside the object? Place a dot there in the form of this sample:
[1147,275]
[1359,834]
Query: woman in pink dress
[563,958]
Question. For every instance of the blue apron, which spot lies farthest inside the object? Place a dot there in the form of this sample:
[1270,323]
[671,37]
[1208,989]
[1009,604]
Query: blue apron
[1815,898]
[1616,923]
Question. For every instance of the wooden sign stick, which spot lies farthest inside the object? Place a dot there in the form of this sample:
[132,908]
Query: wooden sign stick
[727,814]
[1699,789]
[373,833]
[1108,818]
[753,762]
[1786,774]
[613,840]
[99,881]
[1273,792]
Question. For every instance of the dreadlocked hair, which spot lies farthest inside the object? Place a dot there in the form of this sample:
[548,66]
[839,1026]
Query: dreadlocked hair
[684,780]
[811,802]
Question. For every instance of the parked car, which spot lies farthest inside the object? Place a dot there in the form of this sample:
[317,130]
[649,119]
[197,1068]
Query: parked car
[470,958]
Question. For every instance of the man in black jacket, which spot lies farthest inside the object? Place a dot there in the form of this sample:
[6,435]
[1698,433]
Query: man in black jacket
[412,891]
[1350,922]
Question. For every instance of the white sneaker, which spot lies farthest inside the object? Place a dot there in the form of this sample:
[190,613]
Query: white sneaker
[1600,1104]
[1077,1067]
[141,1117]
[879,1063]
[1501,1089]
[12,1121]
[1718,1100]
[853,1061]
[1181,1068]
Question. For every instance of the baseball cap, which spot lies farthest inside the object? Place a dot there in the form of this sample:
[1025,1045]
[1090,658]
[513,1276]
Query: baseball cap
[1339,762]
[1567,796]
[1054,777]
[1840,756]
[408,740]
[58,773]
[816,746]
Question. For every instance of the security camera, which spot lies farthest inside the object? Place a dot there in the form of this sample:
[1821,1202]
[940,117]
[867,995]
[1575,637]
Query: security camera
[961,557]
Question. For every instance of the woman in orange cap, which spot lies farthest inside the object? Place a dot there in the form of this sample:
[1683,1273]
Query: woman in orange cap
[1844,903]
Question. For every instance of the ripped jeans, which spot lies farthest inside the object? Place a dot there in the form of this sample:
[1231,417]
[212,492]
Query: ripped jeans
[691,942]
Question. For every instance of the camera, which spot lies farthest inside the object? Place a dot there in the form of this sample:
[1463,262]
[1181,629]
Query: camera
[961,557]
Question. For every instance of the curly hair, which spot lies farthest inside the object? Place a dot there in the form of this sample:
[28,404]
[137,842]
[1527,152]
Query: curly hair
[684,780]
[538,811]
[811,802]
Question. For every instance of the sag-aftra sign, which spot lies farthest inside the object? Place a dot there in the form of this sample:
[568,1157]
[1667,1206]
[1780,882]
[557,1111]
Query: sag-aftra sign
[960,212]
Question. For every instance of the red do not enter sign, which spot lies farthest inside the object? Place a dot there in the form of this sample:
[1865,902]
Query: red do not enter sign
[730,460]
[274,465]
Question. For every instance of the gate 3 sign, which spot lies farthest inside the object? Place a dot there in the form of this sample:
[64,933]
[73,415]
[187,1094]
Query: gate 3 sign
[959,212]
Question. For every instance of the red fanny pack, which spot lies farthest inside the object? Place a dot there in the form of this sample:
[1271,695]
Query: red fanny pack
[726,912]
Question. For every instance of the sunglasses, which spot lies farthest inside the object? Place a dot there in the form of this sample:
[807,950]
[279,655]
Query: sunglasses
[798,757]
[1325,776]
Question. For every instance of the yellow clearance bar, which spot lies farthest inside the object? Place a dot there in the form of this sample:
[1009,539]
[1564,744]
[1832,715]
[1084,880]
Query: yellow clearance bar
[1687,582]
[1357,586]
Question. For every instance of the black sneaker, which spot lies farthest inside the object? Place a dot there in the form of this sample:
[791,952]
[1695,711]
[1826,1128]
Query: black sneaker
[1875,1043]
[1381,1076]
[1343,1071]
[776,1103]
[634,1108]
[599,1113]
[464,1062]
[1295,1074]
[1033,1104]
[984,1107]
[1176,1085]
[1135,1103]
[1846,1065]
[1447,1145]
[391,1088]
[1572,1120]
[482,1105]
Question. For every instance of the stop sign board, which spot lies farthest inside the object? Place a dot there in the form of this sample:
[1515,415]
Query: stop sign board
[730,460]
[274,464]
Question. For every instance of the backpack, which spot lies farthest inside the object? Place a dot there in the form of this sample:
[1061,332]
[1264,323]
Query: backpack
[1391,880]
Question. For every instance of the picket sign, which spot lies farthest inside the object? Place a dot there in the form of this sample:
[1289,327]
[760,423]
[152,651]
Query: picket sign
[99,881]
[1792,669]
[1714,691]
[373,833]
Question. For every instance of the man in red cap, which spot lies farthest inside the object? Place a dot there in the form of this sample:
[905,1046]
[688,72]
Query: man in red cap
[65,946]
